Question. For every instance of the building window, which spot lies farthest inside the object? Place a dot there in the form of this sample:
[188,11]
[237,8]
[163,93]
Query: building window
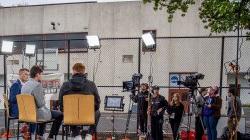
[127,58]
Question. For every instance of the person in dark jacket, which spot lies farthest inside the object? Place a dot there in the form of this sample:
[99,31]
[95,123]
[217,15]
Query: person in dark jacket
[158,106]
[15,90]
[175,111]
[142,99]
[81,85]
[212,111]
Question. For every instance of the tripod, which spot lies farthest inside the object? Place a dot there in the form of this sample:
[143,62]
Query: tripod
[194,105]
[128,119]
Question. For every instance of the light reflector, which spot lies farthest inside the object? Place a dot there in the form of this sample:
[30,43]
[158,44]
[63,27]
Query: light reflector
[7,46]
[148,39]
[30,49]
[93,41]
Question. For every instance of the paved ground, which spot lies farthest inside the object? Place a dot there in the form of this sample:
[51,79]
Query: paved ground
[105,124]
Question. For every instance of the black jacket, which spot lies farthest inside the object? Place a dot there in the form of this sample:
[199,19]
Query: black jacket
[177,110]
[140,98]
[79,84]
[157,103]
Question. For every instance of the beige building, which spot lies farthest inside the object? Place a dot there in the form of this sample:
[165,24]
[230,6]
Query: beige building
[119,20]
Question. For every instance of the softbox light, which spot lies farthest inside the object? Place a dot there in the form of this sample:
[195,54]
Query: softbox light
[148,40]
[30,49]
[7,46]
[93,42]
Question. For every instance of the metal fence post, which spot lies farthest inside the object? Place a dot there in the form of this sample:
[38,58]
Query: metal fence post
[222,63]
[5,86]
[68,45]
[139,56]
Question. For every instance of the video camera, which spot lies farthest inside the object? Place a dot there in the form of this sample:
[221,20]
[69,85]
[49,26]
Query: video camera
[191,81]
[131,85]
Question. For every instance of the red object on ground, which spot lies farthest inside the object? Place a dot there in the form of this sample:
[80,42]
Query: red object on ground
[188,135]
[204,137]
[5,135]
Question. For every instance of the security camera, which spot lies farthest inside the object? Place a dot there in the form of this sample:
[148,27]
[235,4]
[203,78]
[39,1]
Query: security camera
[53,25]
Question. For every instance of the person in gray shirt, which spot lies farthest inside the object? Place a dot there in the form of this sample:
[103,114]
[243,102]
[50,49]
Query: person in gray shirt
[34,88]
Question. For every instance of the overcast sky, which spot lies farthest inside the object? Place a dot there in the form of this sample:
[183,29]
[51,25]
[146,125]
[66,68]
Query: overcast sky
[35,2]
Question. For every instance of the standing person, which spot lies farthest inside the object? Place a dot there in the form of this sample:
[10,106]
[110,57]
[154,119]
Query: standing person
[200,101]
[158,106]
[175,111]
[212,112]
[142,106]
[233,113]
[34,87]
[15,90]
[79,84]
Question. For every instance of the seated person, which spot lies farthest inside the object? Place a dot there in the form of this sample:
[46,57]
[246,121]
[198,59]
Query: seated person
[80,84]
[15,90]
[34,87]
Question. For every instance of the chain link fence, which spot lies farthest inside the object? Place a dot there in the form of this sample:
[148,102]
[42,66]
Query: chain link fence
[119,58]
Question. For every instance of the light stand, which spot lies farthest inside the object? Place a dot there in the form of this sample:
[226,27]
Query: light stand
[113,103]
[30,51]
[149,42]
[128,119]
[6,48]
[94,43]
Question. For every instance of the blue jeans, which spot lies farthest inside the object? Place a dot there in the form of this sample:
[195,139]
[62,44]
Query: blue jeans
[211,124]
[32,128]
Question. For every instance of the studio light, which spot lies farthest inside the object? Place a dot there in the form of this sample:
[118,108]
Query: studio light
[30,49]
[148,40]
[7,47]
[93,42]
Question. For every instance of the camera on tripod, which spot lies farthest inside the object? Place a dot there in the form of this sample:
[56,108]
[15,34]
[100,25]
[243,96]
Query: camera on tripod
[135,82]
[191,81]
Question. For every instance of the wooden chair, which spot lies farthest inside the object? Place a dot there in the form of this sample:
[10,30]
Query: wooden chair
[9,118]
[79,110]
[27,111]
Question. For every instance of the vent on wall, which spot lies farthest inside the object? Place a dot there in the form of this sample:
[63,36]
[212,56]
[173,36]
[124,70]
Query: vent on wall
[127,58]
[13,62]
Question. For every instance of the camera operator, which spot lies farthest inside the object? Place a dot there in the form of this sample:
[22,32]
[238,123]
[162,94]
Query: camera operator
[142,99]
[158,106]
[200,101]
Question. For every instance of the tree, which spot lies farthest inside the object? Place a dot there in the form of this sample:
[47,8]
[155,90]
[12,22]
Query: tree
[217,15]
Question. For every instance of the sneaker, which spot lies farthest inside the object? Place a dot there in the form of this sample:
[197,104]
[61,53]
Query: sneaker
[79,137]
[88,137]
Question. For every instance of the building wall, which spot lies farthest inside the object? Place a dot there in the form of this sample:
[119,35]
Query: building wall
[118,19]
